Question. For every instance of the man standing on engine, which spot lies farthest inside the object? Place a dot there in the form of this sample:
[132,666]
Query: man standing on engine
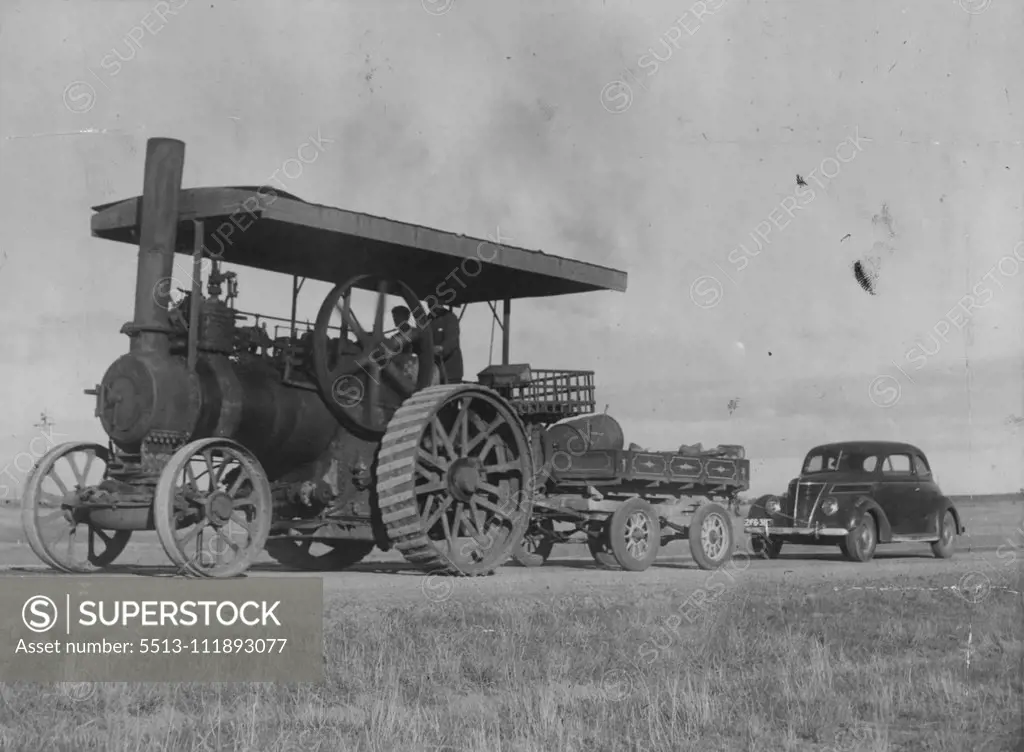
[445,327]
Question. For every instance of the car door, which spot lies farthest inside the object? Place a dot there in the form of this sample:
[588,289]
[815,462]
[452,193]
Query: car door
[898,493]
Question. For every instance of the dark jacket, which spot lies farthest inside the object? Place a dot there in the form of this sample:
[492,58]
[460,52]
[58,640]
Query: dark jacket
[445,329]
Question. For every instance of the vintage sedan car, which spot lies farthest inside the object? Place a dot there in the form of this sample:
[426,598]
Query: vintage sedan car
[857,494]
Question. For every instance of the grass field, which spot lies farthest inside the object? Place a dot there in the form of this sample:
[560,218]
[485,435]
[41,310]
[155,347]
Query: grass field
[759,668]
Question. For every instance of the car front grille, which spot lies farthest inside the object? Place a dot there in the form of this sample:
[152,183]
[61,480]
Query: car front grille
[806,497]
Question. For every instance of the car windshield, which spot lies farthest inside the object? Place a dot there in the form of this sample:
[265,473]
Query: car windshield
[839,461]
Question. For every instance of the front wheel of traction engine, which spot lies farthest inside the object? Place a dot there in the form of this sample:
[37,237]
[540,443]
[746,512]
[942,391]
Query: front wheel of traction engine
[212,509]
[454,480]
[53,518]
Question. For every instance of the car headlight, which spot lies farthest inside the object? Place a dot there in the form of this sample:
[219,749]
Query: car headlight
[772,506]
[829,507]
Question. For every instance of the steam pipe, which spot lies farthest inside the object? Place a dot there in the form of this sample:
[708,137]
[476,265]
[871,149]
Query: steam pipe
[158,236]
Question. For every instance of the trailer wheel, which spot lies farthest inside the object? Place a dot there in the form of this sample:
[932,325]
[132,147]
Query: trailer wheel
[212,508]
[537,544]
[53,522]
[711,538]
[600,547]
[634,535]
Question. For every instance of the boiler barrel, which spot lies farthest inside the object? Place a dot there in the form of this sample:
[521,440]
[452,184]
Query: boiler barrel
[284,426]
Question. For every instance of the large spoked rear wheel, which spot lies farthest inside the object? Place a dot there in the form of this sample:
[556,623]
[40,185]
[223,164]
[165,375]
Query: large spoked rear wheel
[454,476]
[213,508]
[317,555]
[634,535]
[711,538]
[55,524]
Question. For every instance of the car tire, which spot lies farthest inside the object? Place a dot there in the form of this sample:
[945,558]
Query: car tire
[844,550]
[766,547]
[943,547]
[862,539]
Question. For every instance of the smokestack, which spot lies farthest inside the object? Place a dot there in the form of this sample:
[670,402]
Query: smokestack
[158,235]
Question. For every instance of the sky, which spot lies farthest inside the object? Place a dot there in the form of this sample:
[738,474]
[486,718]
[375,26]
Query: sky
[663,139]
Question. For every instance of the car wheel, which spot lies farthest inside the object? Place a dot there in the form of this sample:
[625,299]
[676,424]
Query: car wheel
[861,541]
[766,547]
[844,550]
[943,547]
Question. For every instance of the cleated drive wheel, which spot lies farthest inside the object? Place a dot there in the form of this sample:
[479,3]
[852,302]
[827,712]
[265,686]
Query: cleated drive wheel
[212,490]
[943,547]
[319,555]
[53,521]
[454,480]
[711,537]
[766,547]
[860,542]
[537,544]
[634,535]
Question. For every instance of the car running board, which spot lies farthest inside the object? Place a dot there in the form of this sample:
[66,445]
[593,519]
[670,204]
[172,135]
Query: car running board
[916,538]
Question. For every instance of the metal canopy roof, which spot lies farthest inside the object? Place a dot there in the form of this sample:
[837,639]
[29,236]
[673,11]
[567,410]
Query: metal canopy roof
[268,229]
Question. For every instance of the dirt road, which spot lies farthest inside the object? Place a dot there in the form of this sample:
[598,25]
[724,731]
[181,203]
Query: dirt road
[991,555]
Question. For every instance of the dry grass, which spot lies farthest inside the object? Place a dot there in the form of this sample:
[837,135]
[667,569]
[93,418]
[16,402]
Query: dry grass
[763,667]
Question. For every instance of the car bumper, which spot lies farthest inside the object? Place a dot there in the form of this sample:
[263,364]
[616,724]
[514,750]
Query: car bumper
[816,531]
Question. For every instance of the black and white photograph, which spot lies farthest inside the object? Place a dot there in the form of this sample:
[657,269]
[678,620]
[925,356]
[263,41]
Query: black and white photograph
[479,376]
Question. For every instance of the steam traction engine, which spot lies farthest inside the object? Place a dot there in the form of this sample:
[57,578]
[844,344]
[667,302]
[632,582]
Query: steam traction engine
[228,441]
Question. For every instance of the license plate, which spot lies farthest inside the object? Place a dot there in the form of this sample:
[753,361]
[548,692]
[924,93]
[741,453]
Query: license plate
[757,522]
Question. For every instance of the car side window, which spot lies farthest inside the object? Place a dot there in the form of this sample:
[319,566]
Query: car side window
[921,467]
[870,464]
[897,464]
[814,464]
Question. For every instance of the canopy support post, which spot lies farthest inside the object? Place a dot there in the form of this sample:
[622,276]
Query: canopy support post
[506,321]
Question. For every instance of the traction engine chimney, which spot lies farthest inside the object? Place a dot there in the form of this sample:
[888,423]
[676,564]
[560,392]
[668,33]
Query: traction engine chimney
[158,236]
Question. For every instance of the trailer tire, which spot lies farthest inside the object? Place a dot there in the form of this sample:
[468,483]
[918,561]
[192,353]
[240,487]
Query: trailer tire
[600,547]
[537,544]
[634,535]
[711,536]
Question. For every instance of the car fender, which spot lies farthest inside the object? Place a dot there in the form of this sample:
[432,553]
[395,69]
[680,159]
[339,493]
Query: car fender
[945,505]
[757,507]
[866,505]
